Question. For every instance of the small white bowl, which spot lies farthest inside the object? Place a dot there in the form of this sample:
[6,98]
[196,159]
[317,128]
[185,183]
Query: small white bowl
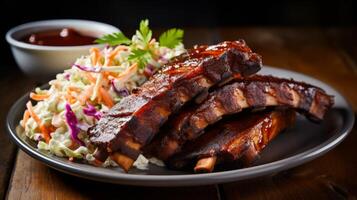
[45,61]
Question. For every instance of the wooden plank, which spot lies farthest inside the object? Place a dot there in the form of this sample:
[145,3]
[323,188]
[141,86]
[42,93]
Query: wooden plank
[313,52]
[33,180]
[346,44]
[12,85]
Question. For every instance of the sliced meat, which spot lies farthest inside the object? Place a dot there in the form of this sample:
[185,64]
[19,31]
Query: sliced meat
[239,139]
[253,92]
[135,120]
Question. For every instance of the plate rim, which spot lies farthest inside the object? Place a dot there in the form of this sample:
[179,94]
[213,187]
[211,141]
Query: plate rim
[193,179]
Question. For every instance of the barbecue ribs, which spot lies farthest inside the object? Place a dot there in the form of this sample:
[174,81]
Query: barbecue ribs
[240,138]
[135,120]
[252,92]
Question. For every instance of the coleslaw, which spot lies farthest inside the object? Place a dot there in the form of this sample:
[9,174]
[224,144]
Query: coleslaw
[58,118]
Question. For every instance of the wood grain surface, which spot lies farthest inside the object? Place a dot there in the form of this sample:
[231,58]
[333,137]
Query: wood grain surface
[12,85]
[329,54]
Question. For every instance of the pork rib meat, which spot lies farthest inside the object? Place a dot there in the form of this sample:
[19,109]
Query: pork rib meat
[135,120]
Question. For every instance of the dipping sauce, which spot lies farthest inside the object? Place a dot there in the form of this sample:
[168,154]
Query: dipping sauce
[58,37]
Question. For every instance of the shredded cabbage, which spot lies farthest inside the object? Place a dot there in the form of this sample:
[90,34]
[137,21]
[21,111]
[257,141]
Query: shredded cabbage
[77,97]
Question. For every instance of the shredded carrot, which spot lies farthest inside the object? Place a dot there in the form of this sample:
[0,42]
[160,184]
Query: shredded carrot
[105,75]
[90,77]
[112,74]
[32,113]
[95,56]
[74,89]
[109,75]
[85,95]
[51,128]
[69,98]
[117,49]
[45,133]
[38,97]
[88,91]
[107,100]
[109,59]
[125,75]
[25,118]
[43,129]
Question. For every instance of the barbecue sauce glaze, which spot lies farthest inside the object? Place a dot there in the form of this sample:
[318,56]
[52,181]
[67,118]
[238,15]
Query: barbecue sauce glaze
[58,37]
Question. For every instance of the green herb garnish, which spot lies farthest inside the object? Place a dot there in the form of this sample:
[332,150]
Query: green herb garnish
[141,51]
[114,39]
[144,31]
[141,56]
[171,38]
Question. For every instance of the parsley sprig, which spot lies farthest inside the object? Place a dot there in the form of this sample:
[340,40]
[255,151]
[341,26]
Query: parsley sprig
[144,32]
[141,56]
[171,38]
[142,53]
[114,39]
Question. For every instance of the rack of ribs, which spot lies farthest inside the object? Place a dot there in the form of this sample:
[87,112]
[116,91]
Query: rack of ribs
[134,121]
[237,140]
[253,92]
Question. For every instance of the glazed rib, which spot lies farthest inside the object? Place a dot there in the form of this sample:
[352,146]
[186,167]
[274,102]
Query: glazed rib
[252,92]
[134,121]
[240,138]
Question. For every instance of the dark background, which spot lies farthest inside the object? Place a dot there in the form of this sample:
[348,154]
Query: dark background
[126,14]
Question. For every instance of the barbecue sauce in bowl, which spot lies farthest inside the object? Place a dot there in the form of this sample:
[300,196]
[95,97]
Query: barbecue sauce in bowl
[58,37]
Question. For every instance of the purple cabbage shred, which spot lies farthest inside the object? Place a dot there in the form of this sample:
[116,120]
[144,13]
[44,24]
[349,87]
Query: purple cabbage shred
[67,76]
[87,69]
[91,111]
[72,122]
[122,92]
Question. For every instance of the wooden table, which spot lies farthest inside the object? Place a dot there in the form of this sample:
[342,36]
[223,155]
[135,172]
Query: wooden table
[329,54]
